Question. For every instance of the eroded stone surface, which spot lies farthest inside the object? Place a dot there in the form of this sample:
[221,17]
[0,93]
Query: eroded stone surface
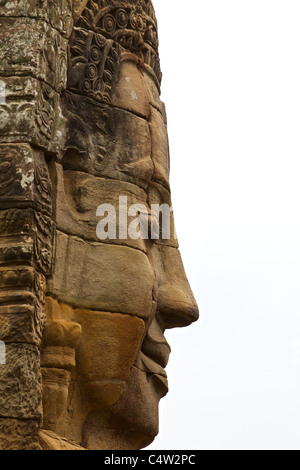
[107,142]
[24,179]
[162,220]
[30,113]
[78,196]
[160,148]
[132,91]
[19,396]
[30,47]
[58,14]
[109,345]
[102,277]
[19,434]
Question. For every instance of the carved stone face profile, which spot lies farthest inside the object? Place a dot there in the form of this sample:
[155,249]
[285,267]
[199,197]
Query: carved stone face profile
[109,301]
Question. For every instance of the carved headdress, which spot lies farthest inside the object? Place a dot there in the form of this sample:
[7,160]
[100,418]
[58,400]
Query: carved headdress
[129,25]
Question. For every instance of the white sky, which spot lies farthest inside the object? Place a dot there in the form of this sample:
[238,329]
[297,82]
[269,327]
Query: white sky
[232,89]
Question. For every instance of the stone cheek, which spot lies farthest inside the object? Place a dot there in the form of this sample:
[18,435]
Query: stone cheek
[106,354]
[109,345]
[102,277]
[106,346]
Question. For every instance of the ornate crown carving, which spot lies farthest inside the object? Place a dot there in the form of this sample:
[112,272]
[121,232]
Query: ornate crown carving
[130,23]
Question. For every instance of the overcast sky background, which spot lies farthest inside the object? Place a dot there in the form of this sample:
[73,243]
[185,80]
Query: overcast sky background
[232,89]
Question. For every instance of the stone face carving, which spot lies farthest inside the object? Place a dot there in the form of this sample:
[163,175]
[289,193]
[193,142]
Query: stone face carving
[83,318]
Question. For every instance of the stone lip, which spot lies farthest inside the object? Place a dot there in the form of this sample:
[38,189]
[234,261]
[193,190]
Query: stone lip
[156,347]
[148,365]
[154,356]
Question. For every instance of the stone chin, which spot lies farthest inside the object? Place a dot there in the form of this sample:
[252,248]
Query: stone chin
[133,422]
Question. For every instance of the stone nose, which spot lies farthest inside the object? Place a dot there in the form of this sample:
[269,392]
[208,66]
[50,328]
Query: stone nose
[176,304]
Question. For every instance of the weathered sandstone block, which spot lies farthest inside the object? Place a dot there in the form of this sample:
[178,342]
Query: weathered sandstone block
[78,196]
[24,178]
[30,47]
[109,344]
[30,113]
[19,434]
[160,148]
[132,91]
[57,13]
[111,283]
[107,142]
[19,396]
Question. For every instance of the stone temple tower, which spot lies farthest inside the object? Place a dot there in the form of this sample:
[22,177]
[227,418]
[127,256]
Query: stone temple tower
[82,317]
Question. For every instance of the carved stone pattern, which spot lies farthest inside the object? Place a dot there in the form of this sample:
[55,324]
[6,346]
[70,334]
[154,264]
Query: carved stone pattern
[43,186]
[94,65]
[57,13]
[26,278]
[29,113]
[26,243]
[34,248]
[33,67]
[45,112]
[24,179]
[132,24]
